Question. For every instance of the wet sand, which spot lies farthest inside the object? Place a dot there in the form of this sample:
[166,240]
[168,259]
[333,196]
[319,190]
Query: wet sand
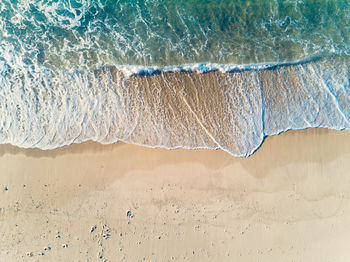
[290,201]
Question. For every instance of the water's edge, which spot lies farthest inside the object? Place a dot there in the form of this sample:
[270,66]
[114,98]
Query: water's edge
[197,106]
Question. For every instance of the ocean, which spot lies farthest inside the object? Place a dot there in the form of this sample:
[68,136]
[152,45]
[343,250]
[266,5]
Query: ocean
[172,74]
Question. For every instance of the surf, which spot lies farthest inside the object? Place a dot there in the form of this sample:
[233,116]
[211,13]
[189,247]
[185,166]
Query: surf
[232,110]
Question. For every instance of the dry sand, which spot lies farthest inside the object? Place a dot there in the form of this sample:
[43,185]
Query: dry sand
[290,201]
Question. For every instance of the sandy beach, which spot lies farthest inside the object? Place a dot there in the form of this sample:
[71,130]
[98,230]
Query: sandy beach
[92,202]
[175,130]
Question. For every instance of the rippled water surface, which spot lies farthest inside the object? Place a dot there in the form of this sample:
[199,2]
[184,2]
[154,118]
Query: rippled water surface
[84,34]
[131,71]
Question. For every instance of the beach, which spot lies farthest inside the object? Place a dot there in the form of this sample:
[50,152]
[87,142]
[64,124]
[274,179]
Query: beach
[91,202]
[166,130]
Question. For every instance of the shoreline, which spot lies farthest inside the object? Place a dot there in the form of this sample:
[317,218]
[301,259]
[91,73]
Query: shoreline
[232,111]
[94,146]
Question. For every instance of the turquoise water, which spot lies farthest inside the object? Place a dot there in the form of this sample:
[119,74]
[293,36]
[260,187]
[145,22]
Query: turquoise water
[64,34]
[103,70]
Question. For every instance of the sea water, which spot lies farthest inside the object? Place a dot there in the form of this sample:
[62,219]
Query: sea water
[185,73]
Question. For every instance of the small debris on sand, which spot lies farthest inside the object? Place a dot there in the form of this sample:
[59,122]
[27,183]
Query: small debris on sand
[47,248]
[93,228]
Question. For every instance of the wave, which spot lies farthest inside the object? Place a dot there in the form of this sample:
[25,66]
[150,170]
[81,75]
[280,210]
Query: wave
[130,70]
[192,106]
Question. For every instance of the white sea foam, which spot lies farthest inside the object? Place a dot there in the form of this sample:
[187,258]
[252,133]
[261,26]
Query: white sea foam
[130,70]
[233,111]
[67,73]
[86,34]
